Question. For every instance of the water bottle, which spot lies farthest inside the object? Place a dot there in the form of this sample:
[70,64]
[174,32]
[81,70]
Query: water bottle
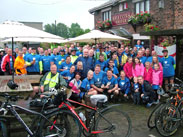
[82,116]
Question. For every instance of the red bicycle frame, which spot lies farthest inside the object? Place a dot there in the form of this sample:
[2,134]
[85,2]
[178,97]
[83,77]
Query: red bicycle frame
[74,112]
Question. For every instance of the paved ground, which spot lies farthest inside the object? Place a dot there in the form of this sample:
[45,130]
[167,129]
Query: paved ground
[139,116]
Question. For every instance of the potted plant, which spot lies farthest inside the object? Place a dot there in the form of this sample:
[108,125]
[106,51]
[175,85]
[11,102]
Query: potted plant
[107,24]
[100,25]
[165,43]
[151,27]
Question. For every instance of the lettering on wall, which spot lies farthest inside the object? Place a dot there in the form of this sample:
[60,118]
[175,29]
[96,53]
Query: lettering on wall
[121,18]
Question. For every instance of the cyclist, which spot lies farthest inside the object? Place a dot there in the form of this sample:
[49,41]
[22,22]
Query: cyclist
[51,79]
[110,85]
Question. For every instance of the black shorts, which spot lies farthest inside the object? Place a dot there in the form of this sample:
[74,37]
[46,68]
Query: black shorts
[169,78]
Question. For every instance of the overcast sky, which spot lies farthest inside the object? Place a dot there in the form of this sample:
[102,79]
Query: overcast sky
[47,11]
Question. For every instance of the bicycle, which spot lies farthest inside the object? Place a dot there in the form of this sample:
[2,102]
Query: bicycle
[104,120]
[169,116]
[62,125]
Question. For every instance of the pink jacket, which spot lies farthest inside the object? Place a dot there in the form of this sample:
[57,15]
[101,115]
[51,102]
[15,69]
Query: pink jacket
[160,66]
[138,71]
[128,69]
[75,86]
[157,77]
[148,75]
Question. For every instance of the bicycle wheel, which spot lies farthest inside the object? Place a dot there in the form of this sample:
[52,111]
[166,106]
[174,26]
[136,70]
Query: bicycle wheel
[116,122]
[66,121]
[167,120]
[3,129]
[151,119]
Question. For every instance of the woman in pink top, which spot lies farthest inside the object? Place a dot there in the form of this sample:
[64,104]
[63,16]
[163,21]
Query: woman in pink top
[148,72]
[157,80]
[155,61]
[128,68]
[138,68]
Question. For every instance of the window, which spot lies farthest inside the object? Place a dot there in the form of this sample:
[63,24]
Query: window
[161,3]
[123,6]
[107,15]
[142,6]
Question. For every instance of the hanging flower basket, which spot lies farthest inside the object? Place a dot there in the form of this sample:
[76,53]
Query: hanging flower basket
[151,27]
[140,19]
[104,24]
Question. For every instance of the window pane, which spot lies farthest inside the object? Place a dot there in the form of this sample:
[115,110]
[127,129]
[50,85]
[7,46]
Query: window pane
[142,6]
[109,15]
[147,6]
[120,7]
[103,15]
[137,8]
[125,5]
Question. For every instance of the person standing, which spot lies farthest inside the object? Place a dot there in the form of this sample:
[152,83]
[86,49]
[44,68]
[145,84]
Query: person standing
[33,63]
[101,62]
[55,58]
[7,63]
[1,58]
[138,46]
[169,66]
[20,65]
[87,62]
[46,62]
[138,68]
[65,65]
[73,55]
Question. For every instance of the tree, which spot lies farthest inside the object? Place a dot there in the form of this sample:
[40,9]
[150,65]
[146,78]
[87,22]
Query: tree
[64,31]
[61,29]
[75,30]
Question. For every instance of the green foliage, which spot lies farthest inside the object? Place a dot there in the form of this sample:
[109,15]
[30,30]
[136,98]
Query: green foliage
[151,27]
[64,31]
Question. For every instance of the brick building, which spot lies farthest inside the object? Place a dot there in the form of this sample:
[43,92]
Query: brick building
[166,14]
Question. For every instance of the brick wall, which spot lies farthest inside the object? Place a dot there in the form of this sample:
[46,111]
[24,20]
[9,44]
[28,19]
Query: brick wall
[169,17]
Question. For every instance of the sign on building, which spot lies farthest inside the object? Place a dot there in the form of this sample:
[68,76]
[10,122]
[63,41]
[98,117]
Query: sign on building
[121,18]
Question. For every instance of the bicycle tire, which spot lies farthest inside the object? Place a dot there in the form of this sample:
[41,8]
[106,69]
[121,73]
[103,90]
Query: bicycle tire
[65,120]
[151,118]
[119,119]
[3,129]
[165,122]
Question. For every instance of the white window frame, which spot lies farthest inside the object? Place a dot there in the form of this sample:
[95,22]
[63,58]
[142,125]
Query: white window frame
[142,6]
[106,15]
[122,6]
[161,3]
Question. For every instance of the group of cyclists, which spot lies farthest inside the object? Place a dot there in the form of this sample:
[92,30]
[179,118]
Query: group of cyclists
[117,71]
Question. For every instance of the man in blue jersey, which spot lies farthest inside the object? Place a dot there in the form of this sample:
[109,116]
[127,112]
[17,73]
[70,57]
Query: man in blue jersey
[97,79]
[68,75]
[86,85]
[46,62]
[141,57]
[112,68]
[110,85]
[169,66]
[80,51]
[55,58]
[101,62]
[138,45]
[66,64]
[33,62]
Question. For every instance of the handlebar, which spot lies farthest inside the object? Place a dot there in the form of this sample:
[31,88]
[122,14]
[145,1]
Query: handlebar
[11,97]
[178,79]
